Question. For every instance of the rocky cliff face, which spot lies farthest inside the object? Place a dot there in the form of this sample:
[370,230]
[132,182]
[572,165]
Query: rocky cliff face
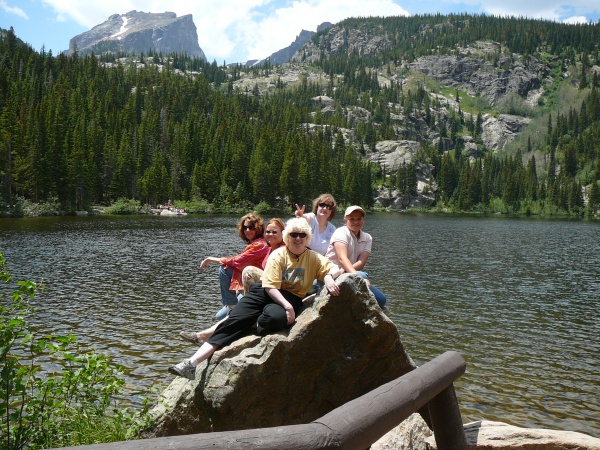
[136,32]
[338,39]
[476,76]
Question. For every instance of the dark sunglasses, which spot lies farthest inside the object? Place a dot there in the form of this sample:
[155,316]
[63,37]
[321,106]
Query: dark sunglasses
[251,227]
[271,232]
[298,235]
[326,206]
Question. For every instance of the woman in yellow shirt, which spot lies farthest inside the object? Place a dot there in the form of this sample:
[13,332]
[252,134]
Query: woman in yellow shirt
[274,303]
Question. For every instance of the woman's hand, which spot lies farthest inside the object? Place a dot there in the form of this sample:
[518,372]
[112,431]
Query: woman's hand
[290,314]
[206,261]
[331,285]
[280,299]
[299,211]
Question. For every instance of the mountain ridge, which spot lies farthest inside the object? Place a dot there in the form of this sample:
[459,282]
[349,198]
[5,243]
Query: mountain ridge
[137,32]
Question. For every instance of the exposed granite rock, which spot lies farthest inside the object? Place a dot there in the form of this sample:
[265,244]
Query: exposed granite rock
[409,435]
[338,39]
[136,32]
[339,349]
[500,436]
[489,79]
[497,132]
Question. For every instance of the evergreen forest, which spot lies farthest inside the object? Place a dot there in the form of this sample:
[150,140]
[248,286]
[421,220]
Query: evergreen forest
[85,129]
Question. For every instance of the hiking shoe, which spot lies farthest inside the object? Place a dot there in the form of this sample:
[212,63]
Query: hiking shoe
[184,369]
[223,312]
[191,336]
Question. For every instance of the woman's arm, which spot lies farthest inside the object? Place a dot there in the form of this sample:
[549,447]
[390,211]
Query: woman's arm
[206,261]
[253,255]
[341,251]
[280,299]
[329,281]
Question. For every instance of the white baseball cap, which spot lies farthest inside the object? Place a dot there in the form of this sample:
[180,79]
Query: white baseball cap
[351,209]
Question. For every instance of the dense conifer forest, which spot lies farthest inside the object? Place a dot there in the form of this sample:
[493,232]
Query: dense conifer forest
[87,130]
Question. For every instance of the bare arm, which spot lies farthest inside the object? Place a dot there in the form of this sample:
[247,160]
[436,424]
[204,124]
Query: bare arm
[300,212]
[329,280]
[206,261]
[341,251]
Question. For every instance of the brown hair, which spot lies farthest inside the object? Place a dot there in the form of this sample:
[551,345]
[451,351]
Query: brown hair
[277,221]
[325,198]
[255,220]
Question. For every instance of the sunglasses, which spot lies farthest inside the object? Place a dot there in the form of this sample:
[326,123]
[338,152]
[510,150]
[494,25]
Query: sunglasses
[271,232]
[251,227]
[298,235]
[326,206]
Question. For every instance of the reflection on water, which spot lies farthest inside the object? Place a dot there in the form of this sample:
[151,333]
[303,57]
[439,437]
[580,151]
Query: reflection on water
[517,298]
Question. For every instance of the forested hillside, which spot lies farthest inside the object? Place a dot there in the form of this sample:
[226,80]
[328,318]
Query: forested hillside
[80,131]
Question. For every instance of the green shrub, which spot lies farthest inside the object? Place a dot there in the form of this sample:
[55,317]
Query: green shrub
[51,207]
[72,402]
[124,206]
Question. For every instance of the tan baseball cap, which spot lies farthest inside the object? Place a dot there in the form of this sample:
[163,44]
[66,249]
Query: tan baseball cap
[351,209]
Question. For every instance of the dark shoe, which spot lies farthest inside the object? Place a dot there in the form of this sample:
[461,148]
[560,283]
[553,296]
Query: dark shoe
[191,336]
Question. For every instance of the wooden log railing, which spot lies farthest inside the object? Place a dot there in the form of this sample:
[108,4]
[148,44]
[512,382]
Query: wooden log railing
[353,426]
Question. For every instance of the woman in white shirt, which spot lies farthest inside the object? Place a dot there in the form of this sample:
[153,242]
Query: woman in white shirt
[324,207]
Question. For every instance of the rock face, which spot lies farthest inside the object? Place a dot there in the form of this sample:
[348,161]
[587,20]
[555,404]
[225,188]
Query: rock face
[285,54]
[136,32]
[500,436]
[340,348]
[339,39]
[479,77]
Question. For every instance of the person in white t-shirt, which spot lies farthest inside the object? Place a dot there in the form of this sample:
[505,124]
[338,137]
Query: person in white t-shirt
[323,211]
[350,248]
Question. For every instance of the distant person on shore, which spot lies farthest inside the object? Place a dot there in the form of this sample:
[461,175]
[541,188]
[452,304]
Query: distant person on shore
[323,211]
[251,231]
[350,248]
[273,304]
[250,275]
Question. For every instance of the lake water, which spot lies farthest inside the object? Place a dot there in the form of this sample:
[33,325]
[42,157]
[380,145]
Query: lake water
[518,298]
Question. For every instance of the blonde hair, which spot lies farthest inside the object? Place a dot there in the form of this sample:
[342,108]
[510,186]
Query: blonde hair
[299,225]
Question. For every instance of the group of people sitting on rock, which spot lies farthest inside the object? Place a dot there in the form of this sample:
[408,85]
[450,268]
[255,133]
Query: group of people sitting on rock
[280,265]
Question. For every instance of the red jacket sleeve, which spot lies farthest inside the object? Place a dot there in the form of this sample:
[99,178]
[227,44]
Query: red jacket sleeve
[253,255]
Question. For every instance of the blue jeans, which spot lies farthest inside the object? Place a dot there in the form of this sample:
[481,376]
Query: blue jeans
[379,296]
[225,276]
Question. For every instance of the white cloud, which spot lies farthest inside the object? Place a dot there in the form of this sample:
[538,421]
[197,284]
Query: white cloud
[13,10]
[575,20]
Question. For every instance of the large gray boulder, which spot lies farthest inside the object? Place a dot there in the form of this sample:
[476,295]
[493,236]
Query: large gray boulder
[501,436]
[340,348]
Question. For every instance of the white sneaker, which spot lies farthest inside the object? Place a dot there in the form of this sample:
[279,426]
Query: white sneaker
[184,369]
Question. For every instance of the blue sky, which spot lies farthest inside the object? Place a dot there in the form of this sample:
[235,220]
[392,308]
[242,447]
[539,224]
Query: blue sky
[239,30]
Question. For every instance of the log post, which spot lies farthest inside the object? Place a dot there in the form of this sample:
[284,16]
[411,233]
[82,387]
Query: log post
[447,423]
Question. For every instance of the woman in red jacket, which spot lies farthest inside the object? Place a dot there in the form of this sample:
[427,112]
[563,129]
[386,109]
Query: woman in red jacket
[251,230]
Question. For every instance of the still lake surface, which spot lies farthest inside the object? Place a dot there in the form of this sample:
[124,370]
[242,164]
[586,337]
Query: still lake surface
[518,298]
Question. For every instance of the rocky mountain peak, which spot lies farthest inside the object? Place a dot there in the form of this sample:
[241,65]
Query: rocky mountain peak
[285,54]
[137,31]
